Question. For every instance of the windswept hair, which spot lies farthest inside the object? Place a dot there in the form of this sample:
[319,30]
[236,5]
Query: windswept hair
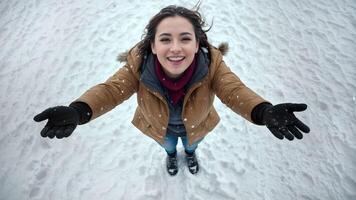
[193,16]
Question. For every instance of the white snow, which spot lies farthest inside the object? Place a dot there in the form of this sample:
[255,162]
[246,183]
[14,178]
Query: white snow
[287,51]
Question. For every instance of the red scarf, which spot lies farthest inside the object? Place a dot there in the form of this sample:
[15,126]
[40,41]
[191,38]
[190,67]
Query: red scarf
[175,88]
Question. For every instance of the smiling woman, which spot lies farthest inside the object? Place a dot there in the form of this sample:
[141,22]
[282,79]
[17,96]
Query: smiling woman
[176,74]
[175,45]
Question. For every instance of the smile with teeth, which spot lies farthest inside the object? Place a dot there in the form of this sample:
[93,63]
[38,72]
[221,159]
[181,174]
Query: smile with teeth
[176,58]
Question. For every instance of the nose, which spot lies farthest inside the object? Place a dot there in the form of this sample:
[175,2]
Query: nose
[176,47]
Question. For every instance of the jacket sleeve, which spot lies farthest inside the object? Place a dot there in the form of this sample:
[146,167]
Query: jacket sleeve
[232,91]
[106,96]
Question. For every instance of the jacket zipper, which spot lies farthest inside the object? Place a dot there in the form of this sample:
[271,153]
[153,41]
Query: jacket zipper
[190,91]
[158,95]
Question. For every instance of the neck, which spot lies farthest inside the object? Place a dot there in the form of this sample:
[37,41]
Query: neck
[174,77]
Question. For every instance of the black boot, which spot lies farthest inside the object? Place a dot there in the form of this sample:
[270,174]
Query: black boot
[172,164]
[192,163]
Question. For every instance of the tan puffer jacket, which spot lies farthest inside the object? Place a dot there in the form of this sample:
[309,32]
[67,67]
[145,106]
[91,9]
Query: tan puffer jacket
[152,113]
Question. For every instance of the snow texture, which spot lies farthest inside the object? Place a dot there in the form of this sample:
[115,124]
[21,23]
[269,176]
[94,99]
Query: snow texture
[287,51]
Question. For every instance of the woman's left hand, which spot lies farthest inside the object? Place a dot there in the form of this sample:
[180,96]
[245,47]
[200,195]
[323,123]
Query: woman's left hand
[282,122]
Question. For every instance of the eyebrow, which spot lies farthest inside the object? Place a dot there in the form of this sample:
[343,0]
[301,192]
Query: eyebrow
[168,34]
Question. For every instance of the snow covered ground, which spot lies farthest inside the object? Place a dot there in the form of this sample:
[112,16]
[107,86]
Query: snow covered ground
[287,51]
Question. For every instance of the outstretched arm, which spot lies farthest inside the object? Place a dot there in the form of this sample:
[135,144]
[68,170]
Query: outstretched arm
[105,96]
[62,120]
[279,119]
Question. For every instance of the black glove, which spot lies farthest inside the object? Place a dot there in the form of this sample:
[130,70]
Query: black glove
[62,120]
[281,121]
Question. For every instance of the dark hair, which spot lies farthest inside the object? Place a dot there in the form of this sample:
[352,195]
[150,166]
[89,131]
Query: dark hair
[170,11]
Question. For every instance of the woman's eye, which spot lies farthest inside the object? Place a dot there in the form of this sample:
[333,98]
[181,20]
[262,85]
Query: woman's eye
[167,39]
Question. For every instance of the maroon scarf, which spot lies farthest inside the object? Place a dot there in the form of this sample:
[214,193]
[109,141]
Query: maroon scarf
[175,88]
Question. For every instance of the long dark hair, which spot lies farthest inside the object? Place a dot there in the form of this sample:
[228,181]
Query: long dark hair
[193,16]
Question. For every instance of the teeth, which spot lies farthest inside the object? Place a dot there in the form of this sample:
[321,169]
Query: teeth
[175,58]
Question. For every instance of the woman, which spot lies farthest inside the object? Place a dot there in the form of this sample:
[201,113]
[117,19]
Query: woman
[176,74]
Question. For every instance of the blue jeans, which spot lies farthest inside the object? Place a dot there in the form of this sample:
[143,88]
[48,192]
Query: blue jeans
[170,143]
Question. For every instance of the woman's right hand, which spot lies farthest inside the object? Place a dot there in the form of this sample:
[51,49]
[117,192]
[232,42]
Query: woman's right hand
[62,120]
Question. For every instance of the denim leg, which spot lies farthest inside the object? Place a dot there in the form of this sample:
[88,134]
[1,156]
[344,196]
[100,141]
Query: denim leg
[190,148]
[170,143]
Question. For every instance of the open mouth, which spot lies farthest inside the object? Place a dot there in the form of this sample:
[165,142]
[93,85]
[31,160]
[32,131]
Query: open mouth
[176,58]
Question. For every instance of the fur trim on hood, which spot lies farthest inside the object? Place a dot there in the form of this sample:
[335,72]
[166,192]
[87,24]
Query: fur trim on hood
[223,48]
[122,57]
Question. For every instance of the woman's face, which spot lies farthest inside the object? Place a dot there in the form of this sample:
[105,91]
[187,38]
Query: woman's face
[175,45]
